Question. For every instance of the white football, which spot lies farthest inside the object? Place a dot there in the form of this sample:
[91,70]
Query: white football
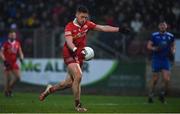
[89,53]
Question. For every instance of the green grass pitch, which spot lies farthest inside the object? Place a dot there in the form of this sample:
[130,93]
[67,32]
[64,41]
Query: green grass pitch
[29,103]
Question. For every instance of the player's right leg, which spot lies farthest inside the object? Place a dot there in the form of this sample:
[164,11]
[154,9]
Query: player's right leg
[75,71]
[6,83]
[67,83]
[153,84]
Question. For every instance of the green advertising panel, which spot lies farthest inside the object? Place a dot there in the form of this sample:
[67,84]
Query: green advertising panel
[124,78]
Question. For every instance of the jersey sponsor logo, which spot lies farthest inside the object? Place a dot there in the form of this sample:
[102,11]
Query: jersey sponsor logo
[13,49]
[74,30]
[164,37]
[81,34]
[158,37]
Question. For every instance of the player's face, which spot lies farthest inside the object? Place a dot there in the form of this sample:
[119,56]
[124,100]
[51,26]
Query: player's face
[162,27]
[82,17]
[12,36]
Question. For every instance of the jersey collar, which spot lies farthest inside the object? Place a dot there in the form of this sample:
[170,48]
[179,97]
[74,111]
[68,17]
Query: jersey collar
[163,33]
[75,23]
[11,42]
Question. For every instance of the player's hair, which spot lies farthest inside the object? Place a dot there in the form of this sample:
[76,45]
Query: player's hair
[12,31]
[82,9]
[163,21]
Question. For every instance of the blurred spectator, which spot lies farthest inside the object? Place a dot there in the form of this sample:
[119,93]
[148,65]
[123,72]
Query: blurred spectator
[141,15]
[57,12]
[37,13]
[15,28]
[136,24]
[176,10]
[32,21]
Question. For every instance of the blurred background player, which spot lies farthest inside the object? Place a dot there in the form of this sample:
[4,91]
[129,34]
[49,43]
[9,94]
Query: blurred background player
[162,44]
[75,35]
[9,52]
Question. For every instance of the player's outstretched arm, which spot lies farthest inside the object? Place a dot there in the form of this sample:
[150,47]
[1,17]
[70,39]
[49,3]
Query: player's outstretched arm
[107,28]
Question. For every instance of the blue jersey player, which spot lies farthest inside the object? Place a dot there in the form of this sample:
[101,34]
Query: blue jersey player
[162,44]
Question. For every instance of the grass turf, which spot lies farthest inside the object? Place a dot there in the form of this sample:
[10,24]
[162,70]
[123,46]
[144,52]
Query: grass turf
[29,103]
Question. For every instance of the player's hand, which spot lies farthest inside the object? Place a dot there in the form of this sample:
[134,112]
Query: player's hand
[74,51]
[83,53]
[6,64]
[124,30]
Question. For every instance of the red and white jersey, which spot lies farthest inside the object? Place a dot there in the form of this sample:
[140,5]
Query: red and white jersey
[79,34]
[10,50]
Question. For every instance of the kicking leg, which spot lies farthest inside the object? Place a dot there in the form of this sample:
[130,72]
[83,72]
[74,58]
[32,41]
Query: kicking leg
[67,83]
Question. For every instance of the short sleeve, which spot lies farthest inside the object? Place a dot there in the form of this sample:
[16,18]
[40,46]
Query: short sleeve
[151,38]
[68,31]
[91,25]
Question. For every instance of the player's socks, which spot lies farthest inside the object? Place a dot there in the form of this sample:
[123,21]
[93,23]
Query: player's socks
[166,89]
[77,102]
[151,92]
[10,93]
[151,98]
[6,93]
[52,89]
[162,97]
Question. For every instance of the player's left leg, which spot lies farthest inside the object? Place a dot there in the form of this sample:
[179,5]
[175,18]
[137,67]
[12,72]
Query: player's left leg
[165,85]
[16,78]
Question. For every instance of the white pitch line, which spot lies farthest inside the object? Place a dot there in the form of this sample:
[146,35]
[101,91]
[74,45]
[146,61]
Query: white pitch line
[114,104]
[107,104]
